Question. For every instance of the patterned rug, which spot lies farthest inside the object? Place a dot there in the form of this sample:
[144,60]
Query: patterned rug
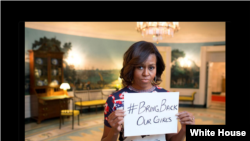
[91,126]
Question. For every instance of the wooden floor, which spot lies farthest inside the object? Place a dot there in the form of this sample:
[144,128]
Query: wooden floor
[91,124]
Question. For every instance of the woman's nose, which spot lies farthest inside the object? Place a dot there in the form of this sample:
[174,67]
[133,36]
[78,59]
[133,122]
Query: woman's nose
[145,72]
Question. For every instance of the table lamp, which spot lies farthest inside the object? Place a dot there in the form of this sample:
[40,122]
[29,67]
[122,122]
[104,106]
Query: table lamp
[65,87]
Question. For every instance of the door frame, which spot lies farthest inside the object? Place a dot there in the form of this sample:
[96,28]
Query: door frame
[167,63]
[208,95]
[203,84]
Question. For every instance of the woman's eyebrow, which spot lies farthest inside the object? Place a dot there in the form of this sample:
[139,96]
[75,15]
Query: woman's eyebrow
[152,64]
[143,64]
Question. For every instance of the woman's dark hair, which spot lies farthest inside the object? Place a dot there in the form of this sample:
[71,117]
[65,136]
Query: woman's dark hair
[137,54]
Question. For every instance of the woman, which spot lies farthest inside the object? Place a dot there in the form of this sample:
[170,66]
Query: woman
[142,69]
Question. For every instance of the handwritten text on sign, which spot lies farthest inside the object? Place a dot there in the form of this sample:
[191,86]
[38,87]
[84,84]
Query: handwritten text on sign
[150,113]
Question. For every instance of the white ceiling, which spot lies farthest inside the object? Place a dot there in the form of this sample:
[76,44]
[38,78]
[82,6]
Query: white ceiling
[190,32]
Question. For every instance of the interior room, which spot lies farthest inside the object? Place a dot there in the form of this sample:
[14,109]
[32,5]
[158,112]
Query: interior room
[71,68]
[218,84]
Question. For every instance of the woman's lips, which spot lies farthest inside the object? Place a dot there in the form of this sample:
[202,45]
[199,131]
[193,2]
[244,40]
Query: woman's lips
[145,80]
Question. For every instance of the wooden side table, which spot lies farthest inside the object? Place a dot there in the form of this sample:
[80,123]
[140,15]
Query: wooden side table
[48,107]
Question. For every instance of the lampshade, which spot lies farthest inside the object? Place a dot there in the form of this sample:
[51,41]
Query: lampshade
[65,86]
[54,83]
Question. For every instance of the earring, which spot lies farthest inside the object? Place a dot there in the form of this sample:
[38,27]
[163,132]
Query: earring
[155,79]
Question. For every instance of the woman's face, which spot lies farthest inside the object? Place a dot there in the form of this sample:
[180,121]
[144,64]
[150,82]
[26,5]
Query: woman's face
[145,73]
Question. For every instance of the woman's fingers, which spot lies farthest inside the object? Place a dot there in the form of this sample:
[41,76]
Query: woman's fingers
[115,119]
[121,122]
[119,126]
[185,118]
[183,115]
[187,122]
[118,123]
[117,113]
[118,119]
[115,123]
[114,116]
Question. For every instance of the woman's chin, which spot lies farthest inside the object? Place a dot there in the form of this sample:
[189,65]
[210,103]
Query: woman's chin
[148,84]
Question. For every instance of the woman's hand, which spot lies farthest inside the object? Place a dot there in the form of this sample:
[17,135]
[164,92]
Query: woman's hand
[115,120]
[185,118]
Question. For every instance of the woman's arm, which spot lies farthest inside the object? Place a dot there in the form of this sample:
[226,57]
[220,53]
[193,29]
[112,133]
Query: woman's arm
[115,119]
[185,118]
[176,137]
[109,134]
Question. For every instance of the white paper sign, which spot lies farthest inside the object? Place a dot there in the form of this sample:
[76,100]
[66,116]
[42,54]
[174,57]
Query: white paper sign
[150,113]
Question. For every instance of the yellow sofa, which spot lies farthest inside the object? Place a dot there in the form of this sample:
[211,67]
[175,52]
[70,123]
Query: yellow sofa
[188,98]
[90,103]
[83,101]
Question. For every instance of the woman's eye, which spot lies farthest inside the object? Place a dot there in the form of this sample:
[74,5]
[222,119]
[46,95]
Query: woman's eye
[151,68]
[140,67]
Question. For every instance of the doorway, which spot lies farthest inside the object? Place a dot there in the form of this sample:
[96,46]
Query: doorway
[212,72]
[216,82]
[216,85]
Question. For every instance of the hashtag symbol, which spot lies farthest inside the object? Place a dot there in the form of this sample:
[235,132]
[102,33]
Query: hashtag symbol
[131,108]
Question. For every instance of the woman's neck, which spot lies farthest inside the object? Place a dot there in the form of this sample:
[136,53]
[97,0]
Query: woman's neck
[141,88]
